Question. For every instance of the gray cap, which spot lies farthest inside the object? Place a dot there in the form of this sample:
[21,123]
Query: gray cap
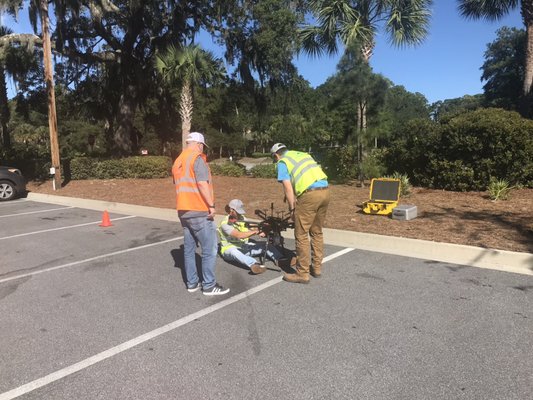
[237,205]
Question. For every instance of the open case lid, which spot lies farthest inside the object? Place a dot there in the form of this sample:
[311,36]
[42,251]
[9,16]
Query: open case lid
[384,189]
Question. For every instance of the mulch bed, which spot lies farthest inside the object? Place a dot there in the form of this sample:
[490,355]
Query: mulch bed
[469,218]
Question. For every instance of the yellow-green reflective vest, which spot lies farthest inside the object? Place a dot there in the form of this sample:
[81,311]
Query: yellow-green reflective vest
[229,241]
[303,170]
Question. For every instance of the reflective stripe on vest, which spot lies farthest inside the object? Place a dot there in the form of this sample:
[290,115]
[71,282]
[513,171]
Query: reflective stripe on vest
[303,169]
[188,195]
[228,241]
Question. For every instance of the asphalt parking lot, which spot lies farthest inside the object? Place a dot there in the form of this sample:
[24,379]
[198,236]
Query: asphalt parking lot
[88,312]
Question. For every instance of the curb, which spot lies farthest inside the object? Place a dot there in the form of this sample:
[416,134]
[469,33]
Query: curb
[499,260]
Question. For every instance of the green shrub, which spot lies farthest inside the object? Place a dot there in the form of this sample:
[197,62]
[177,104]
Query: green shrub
[228,169]
[450,175]
[38,169]
[82,168]
[146,167]
[109,169]
[466,151]
[340,164]
[140,167]
[33,160]
[499,189]
[492,143]
[405,185]
[264,171]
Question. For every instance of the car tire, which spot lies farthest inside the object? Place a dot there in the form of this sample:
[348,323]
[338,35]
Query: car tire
[7,191]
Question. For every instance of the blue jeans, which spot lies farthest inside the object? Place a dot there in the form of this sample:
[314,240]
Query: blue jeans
[245,254]
[200,230]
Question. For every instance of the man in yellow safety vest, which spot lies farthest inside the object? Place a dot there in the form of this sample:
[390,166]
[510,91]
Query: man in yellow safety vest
[306,190]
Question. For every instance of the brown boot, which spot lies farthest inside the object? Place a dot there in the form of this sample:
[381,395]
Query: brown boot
[257,269]
[298,277]
[316,272]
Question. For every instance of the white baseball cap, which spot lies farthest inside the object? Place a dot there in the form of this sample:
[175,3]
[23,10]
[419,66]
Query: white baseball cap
[237,205]
[277,147]
[196,137]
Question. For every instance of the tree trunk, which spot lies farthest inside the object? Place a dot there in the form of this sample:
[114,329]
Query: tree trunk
[49,79]
[528,76]
[360,118]
[186,107]
[367,50]
[4,110]
[527,16]
[527,107]
[122,137]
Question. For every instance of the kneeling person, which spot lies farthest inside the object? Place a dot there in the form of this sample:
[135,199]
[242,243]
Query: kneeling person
[234,244]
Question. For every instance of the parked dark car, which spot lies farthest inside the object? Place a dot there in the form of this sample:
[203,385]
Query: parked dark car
[12,183]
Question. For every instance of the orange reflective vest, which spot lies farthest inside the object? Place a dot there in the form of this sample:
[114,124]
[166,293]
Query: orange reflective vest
[188,195]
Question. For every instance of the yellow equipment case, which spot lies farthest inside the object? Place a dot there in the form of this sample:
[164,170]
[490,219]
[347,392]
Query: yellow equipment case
[384,196]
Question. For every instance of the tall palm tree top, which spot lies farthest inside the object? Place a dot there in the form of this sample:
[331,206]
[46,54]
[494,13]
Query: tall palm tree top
[189,64]
[491,10]
[405,21]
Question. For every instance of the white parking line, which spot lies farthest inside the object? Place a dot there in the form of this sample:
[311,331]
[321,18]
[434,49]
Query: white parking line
[113,351]
[35,212]
[63,227]
[12,202]
[144,246]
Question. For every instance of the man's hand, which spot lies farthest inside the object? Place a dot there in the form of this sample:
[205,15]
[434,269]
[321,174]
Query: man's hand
[212,213]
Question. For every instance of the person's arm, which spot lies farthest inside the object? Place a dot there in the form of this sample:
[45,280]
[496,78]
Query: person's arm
[201,172]
[230,230]
[244,235]
[203,187]
[284,178]
[289,194]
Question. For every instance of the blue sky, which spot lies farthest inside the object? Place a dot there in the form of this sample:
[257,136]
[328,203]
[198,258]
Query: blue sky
[445,66]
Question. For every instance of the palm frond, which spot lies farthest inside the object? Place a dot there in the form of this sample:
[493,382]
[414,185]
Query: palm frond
[490,10]
[189,64]
[356,30]
[312,43]
[408,22]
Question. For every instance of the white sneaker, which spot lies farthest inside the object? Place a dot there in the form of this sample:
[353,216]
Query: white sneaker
[216,290]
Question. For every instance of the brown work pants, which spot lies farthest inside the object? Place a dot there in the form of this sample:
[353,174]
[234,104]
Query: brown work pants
[309,217]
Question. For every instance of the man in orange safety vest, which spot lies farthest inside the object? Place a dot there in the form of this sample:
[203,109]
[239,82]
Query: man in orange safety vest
[195,203]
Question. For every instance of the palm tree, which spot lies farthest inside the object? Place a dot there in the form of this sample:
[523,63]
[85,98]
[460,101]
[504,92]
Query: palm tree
[4,105]
[187,67]
[494,10]
[39,8]
[16,60]
[356,23]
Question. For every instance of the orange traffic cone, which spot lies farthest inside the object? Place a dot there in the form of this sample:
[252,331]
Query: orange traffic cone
[105,220]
